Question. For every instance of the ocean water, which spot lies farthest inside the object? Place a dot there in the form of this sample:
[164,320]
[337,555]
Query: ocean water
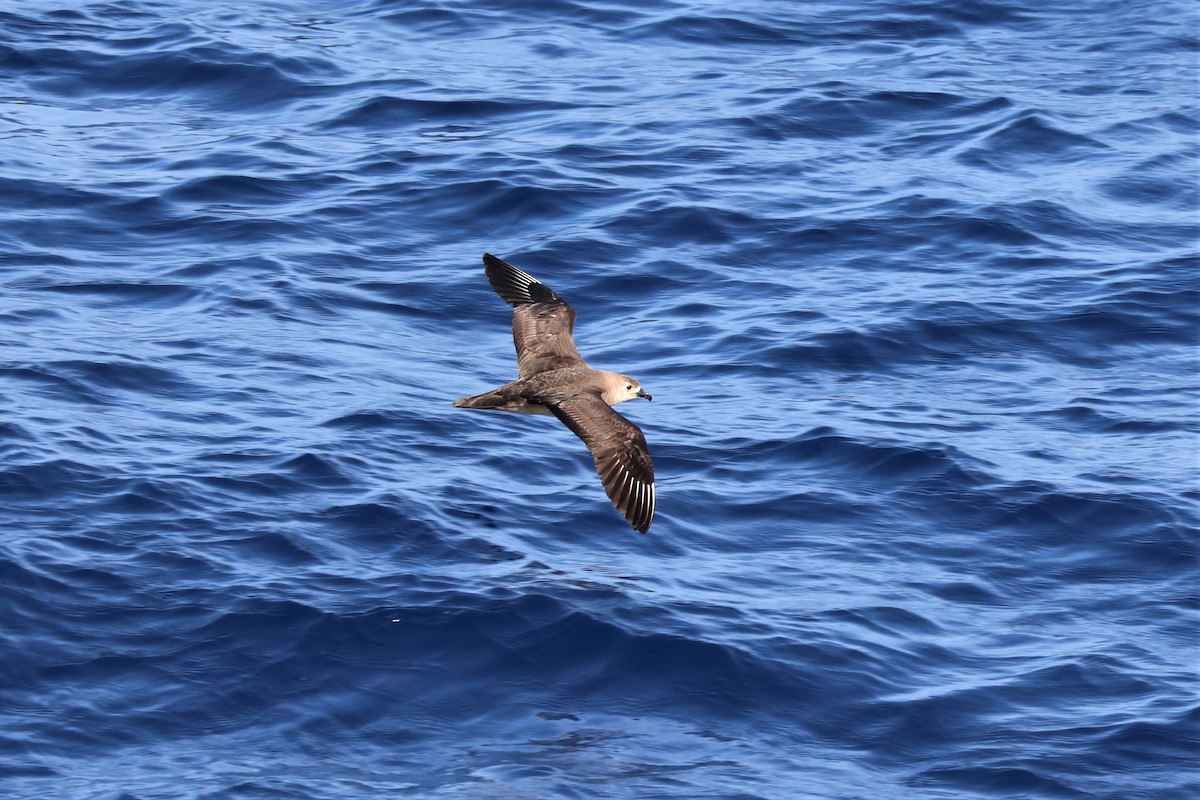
[914,286]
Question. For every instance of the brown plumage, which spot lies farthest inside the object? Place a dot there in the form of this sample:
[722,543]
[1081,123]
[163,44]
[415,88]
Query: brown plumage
[552,378]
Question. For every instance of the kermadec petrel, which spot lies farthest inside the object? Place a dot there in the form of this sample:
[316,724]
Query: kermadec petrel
[552,378]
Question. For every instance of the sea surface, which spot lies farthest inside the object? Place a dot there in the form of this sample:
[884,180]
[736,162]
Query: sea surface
[914,285]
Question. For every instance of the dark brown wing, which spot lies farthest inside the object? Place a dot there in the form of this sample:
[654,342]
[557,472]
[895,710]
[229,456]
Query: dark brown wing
[622,457]
[542,321]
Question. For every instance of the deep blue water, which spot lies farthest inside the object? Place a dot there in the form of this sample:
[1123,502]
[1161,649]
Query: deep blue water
[914,286]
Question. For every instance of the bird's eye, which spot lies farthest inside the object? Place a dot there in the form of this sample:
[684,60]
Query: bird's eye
[629,386]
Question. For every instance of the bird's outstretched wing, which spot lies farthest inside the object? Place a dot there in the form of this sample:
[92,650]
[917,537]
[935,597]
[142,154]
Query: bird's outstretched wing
[619,448]
[542,321]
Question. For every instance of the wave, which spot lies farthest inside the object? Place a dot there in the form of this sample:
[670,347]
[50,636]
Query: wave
[912,287]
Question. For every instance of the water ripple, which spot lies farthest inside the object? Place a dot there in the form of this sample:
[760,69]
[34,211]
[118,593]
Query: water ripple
[912,285]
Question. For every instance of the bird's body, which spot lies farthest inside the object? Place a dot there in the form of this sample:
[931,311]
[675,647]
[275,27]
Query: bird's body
[554,379]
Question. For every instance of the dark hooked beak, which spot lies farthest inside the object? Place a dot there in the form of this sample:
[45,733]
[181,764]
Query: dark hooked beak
[645,394]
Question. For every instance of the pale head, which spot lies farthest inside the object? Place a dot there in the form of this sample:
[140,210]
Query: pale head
[618,388]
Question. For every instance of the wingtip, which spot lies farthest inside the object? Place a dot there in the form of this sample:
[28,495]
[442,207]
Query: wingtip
[493,263]
[516,286]
[637,507]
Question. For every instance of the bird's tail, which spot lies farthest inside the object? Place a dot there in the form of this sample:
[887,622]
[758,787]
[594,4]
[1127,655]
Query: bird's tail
[486,400]
[502,399]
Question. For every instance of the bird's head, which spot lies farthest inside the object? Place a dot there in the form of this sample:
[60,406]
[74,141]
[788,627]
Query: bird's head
[621,388]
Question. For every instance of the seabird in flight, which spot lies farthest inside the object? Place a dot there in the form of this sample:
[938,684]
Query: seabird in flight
[552,378]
